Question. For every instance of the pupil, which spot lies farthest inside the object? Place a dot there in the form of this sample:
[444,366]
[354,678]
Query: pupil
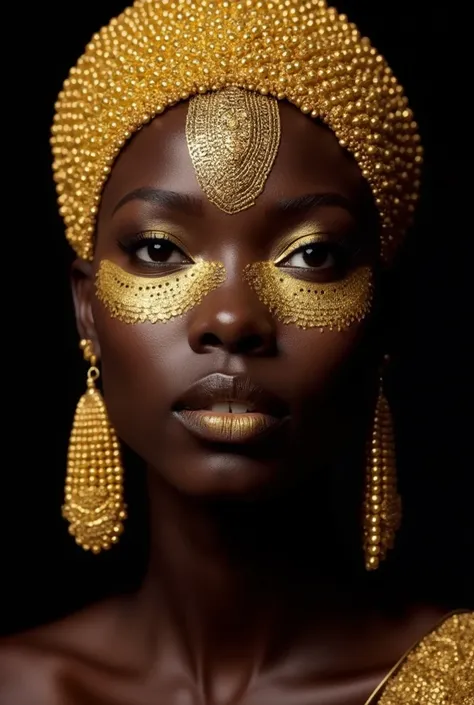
[315,255]
[159,251]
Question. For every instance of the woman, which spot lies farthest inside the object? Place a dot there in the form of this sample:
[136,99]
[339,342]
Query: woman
[236,179]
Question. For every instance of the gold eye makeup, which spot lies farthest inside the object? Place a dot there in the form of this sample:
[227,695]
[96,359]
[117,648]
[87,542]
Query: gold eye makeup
[156,247]
[138,298]
[315,252]
[288,284]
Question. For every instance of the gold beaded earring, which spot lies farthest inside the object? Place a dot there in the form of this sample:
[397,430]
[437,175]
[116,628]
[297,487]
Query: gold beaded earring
[382,505]
[93,505]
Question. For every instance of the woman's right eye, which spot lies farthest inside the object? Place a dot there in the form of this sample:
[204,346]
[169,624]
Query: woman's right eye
[160,251]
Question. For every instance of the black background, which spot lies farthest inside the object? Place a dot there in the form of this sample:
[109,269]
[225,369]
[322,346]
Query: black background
[44,574]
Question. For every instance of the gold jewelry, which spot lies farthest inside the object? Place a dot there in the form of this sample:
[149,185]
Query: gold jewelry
[382,504]
[333,305]
[233,137]
[156,54]
[136,299]
[93,503]
[438,670]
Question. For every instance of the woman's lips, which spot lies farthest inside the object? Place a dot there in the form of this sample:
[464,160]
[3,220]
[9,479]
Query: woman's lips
[229,409]
[224,427]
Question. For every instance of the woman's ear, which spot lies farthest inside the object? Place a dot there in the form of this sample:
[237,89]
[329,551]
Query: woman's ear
[82,283]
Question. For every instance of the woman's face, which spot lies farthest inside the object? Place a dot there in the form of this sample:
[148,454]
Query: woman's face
[308,387]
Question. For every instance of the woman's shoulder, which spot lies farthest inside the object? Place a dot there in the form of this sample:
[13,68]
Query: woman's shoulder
[74,631]
[34,663]
[438,669]
[27,675]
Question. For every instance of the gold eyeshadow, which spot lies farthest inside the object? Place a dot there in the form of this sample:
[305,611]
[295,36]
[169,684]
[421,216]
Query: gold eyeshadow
[286,248]
[335,305]
[142,238]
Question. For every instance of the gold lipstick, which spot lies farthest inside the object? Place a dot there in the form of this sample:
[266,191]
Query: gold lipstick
[224,408]
[221,427]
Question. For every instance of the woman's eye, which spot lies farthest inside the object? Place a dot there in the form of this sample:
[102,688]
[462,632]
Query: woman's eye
[160,251]
[317,255]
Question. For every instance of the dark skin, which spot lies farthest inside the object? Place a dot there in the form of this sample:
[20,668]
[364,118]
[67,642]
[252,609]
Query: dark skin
[255,592]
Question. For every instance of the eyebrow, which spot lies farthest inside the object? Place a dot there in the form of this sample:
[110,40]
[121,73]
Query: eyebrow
[192,205]
[301,204]
[172,200]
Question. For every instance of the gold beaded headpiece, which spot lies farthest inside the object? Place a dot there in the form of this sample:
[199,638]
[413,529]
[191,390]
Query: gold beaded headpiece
[157,53]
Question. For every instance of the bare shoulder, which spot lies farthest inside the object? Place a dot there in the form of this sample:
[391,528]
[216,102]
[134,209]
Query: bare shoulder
[27,677]
[35,665]
[75,633]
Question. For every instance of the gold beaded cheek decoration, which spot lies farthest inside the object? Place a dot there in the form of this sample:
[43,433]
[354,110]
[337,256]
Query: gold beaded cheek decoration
[333,305]
[139,299]
[160,52]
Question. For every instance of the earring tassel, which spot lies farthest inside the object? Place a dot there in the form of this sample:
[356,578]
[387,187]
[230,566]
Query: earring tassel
[382,507]
[94,504]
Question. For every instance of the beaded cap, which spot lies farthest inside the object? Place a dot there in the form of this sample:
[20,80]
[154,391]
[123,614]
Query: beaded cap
[159,52]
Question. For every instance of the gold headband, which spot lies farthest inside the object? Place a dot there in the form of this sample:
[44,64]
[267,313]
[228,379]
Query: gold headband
[157,53]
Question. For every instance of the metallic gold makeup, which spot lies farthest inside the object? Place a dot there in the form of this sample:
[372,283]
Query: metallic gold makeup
[138,299]
[227,428]
[233,137]
[308,304]
[301,301]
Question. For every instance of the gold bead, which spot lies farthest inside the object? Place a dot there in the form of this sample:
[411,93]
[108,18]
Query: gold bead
[373,562]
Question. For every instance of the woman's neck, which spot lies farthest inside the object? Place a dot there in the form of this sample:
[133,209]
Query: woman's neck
[240,574]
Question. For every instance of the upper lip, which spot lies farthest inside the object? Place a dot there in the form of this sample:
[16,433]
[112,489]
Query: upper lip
[219,387]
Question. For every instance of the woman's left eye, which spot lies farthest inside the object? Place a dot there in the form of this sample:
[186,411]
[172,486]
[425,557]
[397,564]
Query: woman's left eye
[160,251]
[316,255]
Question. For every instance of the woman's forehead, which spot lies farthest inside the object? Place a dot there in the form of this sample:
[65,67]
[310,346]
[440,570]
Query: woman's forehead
[309,160]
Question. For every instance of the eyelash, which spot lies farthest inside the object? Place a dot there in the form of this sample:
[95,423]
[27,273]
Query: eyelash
[136,242]
[339,247]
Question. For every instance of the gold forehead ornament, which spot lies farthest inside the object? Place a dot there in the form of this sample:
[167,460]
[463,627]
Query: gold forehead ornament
[160,52]
[233,137]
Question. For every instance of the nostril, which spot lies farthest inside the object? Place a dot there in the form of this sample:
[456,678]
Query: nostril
[209,340]
[252,342]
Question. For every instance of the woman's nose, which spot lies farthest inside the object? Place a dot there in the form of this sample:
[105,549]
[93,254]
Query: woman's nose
[231,318]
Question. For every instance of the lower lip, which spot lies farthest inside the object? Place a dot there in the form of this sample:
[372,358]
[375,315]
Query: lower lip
[227,428]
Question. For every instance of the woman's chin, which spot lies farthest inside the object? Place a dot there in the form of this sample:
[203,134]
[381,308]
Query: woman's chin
[224,472]
[200,467]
